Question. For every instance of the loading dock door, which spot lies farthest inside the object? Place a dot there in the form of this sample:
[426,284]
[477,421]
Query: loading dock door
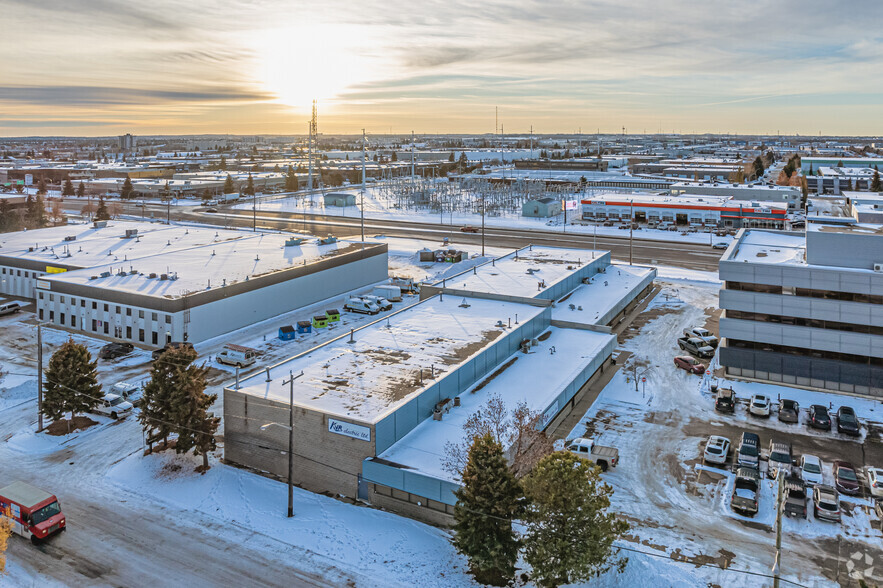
[681,219]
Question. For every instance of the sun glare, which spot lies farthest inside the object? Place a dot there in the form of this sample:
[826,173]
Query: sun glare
[303,63]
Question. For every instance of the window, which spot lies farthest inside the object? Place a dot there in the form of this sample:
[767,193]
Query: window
[105,308]
[118,310]
[18,273]
[95,325]
[73,301]
[153,316]
[61,299]
[61,317]
[168,319]
[128,312]
[94,305]
[106,327]
[52,298]
[141,335]
[27,276]
[51,315]
[141,315]
[154,338]
[40,313]
[39,295]
[128,332]
[74,320]
[83,303]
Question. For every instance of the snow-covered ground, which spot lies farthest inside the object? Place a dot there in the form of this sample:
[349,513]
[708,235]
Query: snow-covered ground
[377,206]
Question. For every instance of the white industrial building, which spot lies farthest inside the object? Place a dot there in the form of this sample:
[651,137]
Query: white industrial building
[150,284]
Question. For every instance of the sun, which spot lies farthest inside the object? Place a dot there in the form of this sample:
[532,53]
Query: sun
[304,63]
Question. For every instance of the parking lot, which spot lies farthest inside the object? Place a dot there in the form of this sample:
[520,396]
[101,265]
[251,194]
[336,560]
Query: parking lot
[679,505]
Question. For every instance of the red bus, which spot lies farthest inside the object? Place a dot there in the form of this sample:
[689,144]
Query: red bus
[34,513]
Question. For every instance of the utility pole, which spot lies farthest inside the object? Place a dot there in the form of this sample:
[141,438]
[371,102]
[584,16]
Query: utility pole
[254,209]
[482,225]
[39,377]
[290,383]
[412,156]
[364,186]
[168,211]
[780,479]
[631,226]
[531,141]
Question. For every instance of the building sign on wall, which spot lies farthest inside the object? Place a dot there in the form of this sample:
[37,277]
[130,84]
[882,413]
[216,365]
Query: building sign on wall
[350,430]
[54,270]
[43,284]
[29,179]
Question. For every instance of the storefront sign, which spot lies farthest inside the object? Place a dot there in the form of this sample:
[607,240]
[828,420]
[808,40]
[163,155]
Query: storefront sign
[44,285]
[54,270]
[349,429]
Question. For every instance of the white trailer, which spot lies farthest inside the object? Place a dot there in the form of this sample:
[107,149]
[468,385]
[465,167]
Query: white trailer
[389,291]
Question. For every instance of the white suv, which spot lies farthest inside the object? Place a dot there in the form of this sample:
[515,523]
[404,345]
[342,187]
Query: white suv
[717,449]
[759,405]
[811,470]
[114,406]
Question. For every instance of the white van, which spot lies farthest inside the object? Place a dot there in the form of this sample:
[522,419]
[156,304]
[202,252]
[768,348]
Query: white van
[237,355]
[382,303]
[358,304]
[390,292]
[10,307]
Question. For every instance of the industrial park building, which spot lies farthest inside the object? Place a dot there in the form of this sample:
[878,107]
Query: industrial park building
[150,284]
[373,409]
[806,310]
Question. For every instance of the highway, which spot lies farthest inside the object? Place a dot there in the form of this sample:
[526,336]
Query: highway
[643,251]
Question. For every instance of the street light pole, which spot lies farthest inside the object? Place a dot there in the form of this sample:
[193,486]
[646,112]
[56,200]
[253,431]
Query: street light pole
[631,226]
[290,383]
[39,377]
[364,186]
[482,225]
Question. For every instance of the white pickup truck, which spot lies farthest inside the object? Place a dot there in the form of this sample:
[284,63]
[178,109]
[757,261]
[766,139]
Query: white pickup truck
[702,333]
[603,457]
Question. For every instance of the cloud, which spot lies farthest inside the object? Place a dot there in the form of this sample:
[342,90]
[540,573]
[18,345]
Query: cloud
[102,95]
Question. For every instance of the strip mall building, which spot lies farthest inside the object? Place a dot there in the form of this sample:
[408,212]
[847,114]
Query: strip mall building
[715,211]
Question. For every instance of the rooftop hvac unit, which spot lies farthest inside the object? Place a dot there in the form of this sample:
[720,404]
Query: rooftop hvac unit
[151,276]
[130,233]
[878,267]
[99,224]
[70,238]
[105,274]
[164,276]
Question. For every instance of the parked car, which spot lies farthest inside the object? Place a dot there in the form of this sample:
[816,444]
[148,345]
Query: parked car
[794,497]
[759,405]
[469,229]
[210,203]
[114,406]
[115,350]
[359,304]
[702,333]
[237,355]
[725,401]
[696,346]
[845,478]
[10,307]
[128,391]
[778,458]
[847,422]
[691,364]
[720,245]
[789,411]
[826,503]
[603,457]
[173,345]
[745,491]
[717,449]
[211,209]
[749,451]
[819,418]
[810,469]
[381,302]
[875,481]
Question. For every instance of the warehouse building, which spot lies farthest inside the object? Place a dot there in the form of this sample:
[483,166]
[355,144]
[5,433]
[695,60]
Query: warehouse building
[541,208]
[201,292]
[694,210]
[747,192]
[806,310]
[373,409]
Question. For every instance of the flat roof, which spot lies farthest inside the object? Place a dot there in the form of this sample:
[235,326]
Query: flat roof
[771,248]
[590,302]
[371,378]
[536,379]
[204,266]
[694,200]
[522,275]
[98,247]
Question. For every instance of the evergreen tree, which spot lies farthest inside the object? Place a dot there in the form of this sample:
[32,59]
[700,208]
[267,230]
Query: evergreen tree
[156,403]
[5,216]
[229,188]
[875,183]
[223,167]
[394,156]
[41,188]
[189,406]
[39,212]
[451,157]
[758,167]
[249,186]
[290,180]
[463,161]
[101,212]
[127,191]
[68,189]
[840,163]
[81,190]
[570,532]
[486,504]
[71,382]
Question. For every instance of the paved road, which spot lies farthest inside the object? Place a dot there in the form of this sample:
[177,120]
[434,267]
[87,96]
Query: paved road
[643,251]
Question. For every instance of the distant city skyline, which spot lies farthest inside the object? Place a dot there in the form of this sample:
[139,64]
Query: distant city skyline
[106,67]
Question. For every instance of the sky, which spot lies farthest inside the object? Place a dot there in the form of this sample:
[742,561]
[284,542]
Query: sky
[105,67]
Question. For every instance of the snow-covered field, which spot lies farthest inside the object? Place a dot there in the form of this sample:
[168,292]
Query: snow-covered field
[379,207]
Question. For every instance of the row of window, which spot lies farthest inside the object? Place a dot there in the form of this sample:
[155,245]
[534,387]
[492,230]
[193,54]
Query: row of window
[807,292]
[803,351]
[18,273]
[804,322]
[117,309]
[98,326]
